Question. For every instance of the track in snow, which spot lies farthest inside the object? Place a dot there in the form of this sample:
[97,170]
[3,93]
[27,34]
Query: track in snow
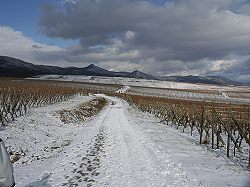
[130,161]
[121,156]
[114,150]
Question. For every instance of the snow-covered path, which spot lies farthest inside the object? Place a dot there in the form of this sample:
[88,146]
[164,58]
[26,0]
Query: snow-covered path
[125,147]
[130,160]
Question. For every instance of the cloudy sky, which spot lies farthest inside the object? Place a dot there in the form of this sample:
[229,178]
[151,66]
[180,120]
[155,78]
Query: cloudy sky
[160,37]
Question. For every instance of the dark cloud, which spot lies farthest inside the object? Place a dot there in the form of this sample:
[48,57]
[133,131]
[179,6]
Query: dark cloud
[190,28]
[180,36]
[36,46]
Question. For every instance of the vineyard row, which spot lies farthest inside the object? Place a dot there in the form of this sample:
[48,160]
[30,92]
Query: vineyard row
[16,97]
[218,124]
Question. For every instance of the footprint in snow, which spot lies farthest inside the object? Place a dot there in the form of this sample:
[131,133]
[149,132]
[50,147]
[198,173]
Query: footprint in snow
[87,170]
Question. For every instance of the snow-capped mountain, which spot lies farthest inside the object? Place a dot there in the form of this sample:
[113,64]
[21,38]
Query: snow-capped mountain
[12,67]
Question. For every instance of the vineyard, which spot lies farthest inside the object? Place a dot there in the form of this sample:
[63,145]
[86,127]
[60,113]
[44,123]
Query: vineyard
[83,111]
[16,97]
[64,138]
[218,124]
[222,125]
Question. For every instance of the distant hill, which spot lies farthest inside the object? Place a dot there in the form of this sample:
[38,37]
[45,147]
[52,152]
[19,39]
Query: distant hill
[140,75]
[12,67]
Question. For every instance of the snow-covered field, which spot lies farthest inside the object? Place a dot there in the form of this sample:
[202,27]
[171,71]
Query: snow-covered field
[121,81]
[142,82]
[233,94]
[123,89]
[120,146]
[188,94]
[41,134]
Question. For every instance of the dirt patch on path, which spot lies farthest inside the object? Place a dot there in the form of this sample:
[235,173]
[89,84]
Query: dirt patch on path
[83,111]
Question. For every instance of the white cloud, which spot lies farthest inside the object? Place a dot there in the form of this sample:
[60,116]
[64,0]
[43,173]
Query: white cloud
[222,65]
[121,66]
[129,35]
[15,44]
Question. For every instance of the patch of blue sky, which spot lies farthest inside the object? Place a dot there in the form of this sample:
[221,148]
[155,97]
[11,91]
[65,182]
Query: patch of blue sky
[23,16]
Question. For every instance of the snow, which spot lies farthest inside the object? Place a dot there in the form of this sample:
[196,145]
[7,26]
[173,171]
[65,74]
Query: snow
[123,89]
[121,81]
[41,134]
[130,159]
[230,94]
[209,167]
[224,95]
[142,82]
[120,146]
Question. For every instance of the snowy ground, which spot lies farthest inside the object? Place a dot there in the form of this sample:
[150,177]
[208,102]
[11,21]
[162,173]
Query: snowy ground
[231,94]
[190,95]
[142,82]
[123,89]
[120,81]
[121,146]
